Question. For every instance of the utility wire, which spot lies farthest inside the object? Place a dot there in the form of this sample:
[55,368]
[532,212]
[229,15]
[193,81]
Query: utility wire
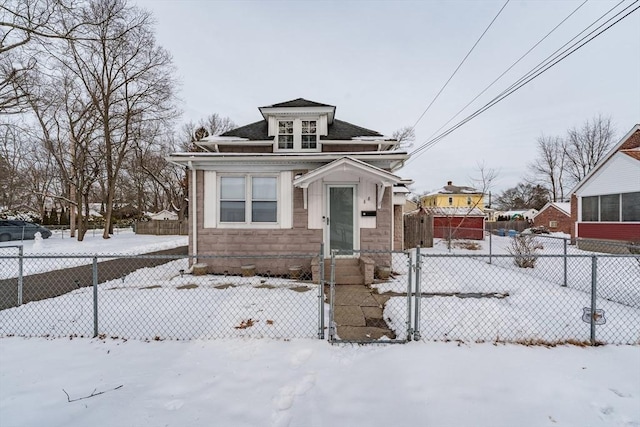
[528,77]
[516,62]
[460,65]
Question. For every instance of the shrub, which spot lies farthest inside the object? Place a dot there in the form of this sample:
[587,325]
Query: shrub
[524,247]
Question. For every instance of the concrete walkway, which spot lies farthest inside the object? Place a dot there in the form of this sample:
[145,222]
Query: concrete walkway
[358,314]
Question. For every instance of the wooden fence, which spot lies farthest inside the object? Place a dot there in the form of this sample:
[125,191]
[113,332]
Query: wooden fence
[162,227]
[418,230]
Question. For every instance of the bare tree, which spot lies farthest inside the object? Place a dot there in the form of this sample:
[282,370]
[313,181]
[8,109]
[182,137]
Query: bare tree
[482,183]
[128,78]
[587,145]
[549,166]
[523,196]
[405,137]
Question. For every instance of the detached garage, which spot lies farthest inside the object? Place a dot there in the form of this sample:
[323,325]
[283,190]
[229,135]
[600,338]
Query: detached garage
[457,223]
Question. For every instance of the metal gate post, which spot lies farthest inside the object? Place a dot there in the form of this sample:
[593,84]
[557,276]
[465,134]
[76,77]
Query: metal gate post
[409,295]
[416,326]
[594,279]
[321,295]
[332,323]
[95,296]
[20,273]
[565,262]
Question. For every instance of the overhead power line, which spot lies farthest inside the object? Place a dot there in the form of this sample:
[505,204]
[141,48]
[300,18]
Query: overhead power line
[515,63]
[460,65]
[534,73]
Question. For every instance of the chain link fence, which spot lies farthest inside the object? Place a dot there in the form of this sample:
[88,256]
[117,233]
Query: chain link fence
[471,297]
[520,298]
[157,297]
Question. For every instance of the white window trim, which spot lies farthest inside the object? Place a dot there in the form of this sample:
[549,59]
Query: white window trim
[211,202]
[248,201]
[297,135]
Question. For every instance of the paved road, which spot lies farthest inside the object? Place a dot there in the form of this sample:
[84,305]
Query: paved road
[51,284]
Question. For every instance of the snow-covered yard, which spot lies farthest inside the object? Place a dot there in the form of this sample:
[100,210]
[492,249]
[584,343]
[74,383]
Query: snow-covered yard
[304,382]
[244,381]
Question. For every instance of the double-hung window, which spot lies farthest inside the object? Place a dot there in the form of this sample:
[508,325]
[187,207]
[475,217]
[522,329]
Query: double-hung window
[248,199]
[285,135]
[309,135]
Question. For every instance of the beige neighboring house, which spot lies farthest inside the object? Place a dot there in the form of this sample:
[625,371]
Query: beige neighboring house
[295,179]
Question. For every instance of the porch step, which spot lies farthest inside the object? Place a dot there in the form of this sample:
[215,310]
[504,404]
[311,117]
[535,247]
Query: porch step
[348,271]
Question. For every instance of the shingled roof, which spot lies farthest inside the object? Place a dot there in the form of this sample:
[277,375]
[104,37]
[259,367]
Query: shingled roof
[299,102]
[338,130]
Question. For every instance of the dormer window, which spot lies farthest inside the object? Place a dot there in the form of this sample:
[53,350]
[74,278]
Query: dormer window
[299,134]
[309,134]
[285,135]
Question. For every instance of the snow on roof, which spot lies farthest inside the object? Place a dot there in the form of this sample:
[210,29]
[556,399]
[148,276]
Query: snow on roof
[565,206]
[453,211]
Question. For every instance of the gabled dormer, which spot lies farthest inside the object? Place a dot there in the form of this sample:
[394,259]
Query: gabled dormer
[299,126]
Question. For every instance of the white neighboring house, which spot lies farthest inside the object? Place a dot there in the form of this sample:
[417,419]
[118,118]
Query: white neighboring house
[163,215]
[605,205]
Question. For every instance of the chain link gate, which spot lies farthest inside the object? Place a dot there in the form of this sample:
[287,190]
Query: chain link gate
[370,297]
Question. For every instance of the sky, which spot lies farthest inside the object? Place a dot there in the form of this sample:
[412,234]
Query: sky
[382,63]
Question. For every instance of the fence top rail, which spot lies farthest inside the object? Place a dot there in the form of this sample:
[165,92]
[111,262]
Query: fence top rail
[367,251]
[12,246]
[528,256]
[158,256]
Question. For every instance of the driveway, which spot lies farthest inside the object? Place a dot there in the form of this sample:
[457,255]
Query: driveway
[54,283]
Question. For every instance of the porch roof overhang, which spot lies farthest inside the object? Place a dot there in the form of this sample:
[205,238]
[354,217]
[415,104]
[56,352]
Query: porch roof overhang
[380,177]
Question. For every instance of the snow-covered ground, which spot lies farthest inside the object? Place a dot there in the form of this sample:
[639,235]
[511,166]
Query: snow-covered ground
[245,381]
[303,382]
[125,242]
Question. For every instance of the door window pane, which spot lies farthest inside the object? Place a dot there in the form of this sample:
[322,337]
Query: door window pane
[341,219]
[610,207]
[631,206]
[590,208]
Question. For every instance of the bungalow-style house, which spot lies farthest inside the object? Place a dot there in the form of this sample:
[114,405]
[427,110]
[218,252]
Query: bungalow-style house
[555,217]
[454,196]
[295,179]
[605,205]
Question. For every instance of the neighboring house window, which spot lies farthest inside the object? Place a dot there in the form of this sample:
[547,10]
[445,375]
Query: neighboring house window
[285,135]
[553,224]
[590,208]
[248,199]
[469,201]
[611,207]
[309,136]
[450,201]
[631,206]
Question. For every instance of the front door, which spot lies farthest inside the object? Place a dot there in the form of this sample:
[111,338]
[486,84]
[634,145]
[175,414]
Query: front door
[341,231]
